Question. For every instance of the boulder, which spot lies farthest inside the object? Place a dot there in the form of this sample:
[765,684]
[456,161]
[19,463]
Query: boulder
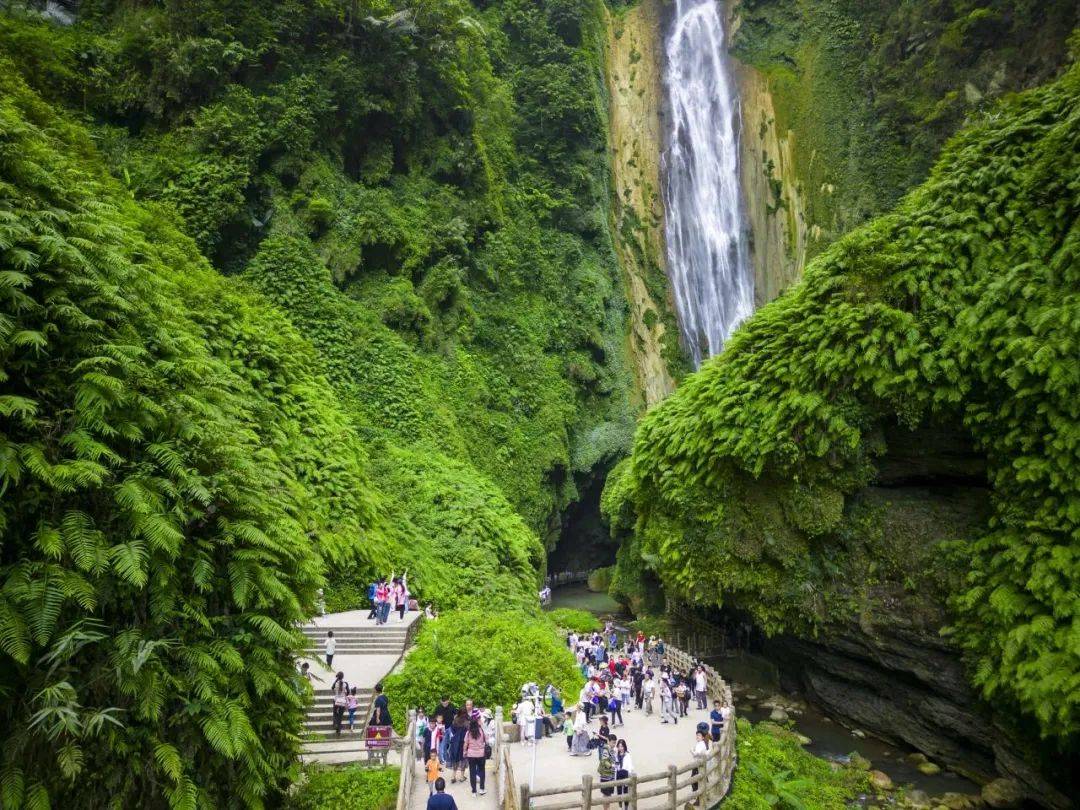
[804,740]
[778,715]
[929,769]
[916,758]
[858,732]
[880,781]
[917,799]
[859,762]
[1003,793]
[959,801]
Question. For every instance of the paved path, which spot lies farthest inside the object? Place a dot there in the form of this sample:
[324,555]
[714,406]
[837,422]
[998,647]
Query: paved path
[653,746]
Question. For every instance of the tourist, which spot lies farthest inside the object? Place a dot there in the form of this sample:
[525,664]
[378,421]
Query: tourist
[382,597]
[330,647]
[380,715]
[438,740]
[682,694]
[615,708]
[445,712]
[716,716]
[525,713]
[350,706]
[433,769]
[605,767]
[568,730]
[701,749]
[581,733]
[371,592]
[423,734]
[700,684]
[475,753]
[440,801]
[624,766]
[648,687]
[667,702]
[401,595]
[456,747]
[340,692]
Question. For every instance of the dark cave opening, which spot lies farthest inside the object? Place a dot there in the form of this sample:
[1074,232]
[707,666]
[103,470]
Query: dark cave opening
[584,541]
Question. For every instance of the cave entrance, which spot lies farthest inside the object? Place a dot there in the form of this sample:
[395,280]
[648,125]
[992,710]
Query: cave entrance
[584,542]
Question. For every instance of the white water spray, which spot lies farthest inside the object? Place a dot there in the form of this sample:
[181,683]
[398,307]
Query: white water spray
[708,264]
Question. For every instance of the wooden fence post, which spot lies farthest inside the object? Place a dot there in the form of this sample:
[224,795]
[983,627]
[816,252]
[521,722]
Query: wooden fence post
[673,787]
[633,791]
[525,801]
[586,792]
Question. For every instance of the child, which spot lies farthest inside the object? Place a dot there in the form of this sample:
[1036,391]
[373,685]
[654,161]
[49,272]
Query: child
[330,645]
[438,736]
[433,768]
[351,703]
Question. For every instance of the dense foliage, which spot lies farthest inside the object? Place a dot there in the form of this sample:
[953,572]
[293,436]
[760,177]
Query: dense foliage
[294,293]
[775,772]
[355,787]
[962,308]
[579,621]
[176,477]
[483,655]
[871,91]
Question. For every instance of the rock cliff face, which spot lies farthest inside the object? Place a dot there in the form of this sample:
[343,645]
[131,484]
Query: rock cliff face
[775,203]
[634,56]
[896,679]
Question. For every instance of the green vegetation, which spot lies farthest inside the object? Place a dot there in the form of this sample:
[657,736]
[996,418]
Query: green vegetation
[354,787]
[959,311]
[871,91]
[294,293]
[600,579]
[775,772]
[482,655]
[579,621]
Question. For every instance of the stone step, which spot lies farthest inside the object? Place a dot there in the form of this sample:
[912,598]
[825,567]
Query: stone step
[320,632]
[346,742]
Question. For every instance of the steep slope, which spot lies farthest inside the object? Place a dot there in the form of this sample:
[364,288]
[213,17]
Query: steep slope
[899,431]
[846,105]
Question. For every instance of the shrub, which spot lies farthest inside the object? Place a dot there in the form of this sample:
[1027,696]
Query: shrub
[354,787]
[481,655]
[600,579]
[776,772]
[579,621]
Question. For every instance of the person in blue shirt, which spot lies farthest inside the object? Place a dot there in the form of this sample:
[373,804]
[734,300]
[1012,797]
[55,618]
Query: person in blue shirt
[439,800]
[716,727]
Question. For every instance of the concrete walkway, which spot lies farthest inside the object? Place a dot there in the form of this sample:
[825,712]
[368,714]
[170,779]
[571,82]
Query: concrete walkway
[653,746]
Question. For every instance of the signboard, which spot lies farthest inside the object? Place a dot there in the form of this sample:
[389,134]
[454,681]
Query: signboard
[379,736]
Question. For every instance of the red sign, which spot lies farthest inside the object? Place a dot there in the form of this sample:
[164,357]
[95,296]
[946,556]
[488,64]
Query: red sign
[379,736]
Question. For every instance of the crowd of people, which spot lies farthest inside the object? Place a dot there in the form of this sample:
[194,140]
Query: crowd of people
[633,676]
[452,740]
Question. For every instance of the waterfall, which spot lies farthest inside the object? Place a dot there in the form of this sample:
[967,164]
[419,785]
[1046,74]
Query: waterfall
[708,264]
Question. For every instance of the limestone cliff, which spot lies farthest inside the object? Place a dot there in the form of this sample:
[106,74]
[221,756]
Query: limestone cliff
[775,206]
[633,56]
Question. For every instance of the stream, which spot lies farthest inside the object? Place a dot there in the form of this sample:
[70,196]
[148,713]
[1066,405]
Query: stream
[755,680]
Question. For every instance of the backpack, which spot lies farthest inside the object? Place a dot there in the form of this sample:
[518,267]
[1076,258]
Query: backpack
[371,591]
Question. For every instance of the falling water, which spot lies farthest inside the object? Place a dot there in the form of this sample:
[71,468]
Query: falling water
[707,256]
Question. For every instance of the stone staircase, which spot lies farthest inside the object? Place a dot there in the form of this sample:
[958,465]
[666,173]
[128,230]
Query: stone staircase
[389,639]
[365,653]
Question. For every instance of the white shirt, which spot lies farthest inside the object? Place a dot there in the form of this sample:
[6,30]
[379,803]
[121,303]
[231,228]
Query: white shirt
[701,749]
[627,763]
[580,721]
[331,645]
[699,682]
[526,711]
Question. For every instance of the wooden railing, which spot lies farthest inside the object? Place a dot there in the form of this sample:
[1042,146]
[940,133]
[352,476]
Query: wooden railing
[567,578]
[696,636]
[407,747]
[706,780]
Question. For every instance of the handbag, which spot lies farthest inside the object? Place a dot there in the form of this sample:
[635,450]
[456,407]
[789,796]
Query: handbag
[487,750]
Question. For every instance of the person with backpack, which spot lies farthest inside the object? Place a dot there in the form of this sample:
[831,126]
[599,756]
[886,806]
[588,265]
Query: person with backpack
[339,692]
[380,714]
[475,752]
[371,589]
